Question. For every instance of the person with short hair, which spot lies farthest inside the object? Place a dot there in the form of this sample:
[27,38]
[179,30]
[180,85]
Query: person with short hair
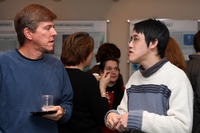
[27,73]
[193,69]
[90,101]
[158,97]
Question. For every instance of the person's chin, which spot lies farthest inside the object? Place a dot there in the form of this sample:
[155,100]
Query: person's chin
[49,51]
[113,80]
[133,61]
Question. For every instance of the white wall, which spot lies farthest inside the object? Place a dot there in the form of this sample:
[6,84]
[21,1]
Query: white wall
[117,12]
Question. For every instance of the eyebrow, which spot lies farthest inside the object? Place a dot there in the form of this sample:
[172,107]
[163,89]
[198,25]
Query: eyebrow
[50,25]
[135,35]
[112,67]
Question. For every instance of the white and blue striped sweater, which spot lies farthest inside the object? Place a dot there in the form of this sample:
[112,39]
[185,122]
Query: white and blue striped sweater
[158,100]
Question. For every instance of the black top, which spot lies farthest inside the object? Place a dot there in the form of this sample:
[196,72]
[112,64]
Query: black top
[89,108]
[193,67]
[118,94]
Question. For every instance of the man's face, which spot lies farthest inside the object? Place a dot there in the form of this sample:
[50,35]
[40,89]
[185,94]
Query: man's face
[43,37]
[138,50]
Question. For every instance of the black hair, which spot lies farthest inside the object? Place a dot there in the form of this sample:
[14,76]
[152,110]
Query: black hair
[154,29]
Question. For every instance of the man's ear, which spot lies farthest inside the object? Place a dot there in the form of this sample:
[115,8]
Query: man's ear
[28,34]
[153,44]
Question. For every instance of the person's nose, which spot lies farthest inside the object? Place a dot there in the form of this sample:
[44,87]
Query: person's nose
[130,44]
[54,32]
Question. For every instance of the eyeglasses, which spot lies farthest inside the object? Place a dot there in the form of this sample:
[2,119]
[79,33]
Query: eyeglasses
[110,69]
[132,39]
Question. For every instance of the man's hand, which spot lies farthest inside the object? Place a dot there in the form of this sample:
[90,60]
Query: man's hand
[112,120]
[56,116]
[122,124]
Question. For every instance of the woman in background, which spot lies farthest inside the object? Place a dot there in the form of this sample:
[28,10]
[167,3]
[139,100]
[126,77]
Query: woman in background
[89,102]
[104,51]
[115,88]
[175,55]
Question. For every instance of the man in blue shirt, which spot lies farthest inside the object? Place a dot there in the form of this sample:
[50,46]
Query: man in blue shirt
[28,73]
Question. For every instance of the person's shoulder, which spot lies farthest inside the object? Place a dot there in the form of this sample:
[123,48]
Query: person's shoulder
[193,61]
[80,73]
[193,67]
[168,65]
[88,75]
[8,54]
[53,63]
[52,60]
[194,56]
[135,75]
[172,70]
[193,64]
[49,57]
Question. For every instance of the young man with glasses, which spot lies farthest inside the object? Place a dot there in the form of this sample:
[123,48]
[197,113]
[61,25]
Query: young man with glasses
[158,97]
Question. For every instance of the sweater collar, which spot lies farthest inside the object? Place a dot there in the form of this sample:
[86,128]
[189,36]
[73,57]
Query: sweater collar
[153,69]
[194,56]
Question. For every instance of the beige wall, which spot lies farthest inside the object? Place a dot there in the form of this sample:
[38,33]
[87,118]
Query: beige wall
[117,12]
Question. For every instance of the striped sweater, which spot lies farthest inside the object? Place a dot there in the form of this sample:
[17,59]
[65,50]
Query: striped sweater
[158,100]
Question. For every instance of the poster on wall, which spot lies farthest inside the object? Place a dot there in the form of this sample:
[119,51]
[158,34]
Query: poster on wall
[181,30]
[8,37]
[96,29]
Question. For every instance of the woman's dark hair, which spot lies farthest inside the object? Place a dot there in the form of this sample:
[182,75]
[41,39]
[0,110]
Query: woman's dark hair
[103,63]
[196,42]
[107,50]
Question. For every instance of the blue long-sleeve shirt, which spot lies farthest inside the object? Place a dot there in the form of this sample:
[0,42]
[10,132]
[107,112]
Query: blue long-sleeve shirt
[22,82]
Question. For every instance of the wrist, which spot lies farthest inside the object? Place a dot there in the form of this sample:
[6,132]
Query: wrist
[63,112]
[103,94]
